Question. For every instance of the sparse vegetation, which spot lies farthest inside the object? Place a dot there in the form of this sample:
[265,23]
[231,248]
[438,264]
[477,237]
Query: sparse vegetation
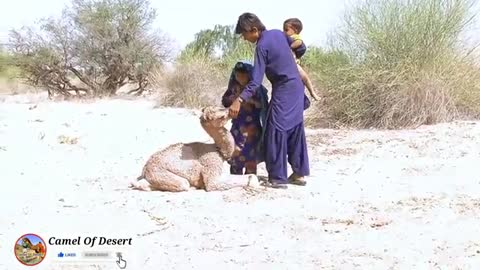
[93,49]
[4,62]
[8,73]
[405,64]
[202,69]
[392,64]
[193,83]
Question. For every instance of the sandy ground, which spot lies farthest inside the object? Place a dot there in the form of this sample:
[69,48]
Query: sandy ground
[375,200]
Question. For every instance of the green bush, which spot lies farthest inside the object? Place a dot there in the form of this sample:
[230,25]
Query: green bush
[7,69]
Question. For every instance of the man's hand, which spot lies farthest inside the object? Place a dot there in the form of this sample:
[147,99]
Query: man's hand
[234,108]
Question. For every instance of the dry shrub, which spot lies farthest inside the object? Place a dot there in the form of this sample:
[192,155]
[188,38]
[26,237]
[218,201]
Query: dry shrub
[397,101]
[466,80]
[405,65]
[401,98]
[191,84]
[63,139]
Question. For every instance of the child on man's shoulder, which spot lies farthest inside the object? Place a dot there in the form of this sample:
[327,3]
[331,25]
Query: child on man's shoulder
[293,27]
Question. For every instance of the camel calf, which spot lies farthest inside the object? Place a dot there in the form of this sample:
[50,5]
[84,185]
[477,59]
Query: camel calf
[184,166]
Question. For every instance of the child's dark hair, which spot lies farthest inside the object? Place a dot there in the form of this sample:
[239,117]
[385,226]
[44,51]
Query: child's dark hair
[242,67]
[247,21]
[242,70]
[295,23]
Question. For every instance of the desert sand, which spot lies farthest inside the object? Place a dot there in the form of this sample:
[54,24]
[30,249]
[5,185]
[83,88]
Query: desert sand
[407,199]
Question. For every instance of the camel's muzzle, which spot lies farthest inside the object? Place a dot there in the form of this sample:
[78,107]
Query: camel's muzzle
[212,113]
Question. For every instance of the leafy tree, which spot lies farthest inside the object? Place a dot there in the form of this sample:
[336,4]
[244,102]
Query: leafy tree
[219,43]
[94,48]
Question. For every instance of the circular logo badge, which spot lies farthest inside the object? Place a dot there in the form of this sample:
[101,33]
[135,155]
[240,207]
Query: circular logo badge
[30,249]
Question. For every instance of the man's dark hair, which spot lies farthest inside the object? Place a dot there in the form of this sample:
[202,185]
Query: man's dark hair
[295,23]
[247,21]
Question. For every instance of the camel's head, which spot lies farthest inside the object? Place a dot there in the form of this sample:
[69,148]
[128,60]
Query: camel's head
[214,117]
[25,242]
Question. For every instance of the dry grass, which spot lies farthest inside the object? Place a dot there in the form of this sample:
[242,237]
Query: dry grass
[393,64]
[63,139]
[399,64]
[9,82]
[402,98]
[11,86]
[396,99]
[192,84]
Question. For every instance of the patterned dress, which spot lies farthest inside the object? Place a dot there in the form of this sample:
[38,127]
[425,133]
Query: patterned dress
[246,130]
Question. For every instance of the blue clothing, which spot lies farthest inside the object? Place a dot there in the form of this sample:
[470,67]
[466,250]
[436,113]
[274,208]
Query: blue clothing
[284,129]
[273,57]
[300,50]
[283,146]
[248,128]
[261,91]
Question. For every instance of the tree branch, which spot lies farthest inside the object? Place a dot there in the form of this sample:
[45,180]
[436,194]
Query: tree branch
[82,78]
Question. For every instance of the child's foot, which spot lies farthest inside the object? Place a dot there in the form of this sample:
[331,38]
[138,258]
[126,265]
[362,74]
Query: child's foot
[315,96]
[253,181]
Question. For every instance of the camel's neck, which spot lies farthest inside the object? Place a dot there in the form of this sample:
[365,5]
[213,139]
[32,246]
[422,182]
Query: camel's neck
[223,140]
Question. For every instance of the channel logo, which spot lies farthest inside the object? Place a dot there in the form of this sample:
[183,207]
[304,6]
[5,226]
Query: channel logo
[30,249]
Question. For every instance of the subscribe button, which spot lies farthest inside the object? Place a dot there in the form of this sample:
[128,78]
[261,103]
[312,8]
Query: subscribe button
[96,255]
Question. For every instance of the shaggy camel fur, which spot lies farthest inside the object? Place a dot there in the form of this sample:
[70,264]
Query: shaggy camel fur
[196,165]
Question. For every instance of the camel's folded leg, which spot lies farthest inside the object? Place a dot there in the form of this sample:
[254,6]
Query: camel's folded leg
[229,181]
[142,184]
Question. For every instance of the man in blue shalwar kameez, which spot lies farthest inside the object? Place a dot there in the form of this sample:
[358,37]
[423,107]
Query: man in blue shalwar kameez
[285,133]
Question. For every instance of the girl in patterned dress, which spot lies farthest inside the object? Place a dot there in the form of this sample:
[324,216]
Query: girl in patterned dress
[247,129]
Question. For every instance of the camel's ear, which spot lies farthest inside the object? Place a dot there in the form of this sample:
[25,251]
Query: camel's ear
[206,114]
[222,114]
[226,114]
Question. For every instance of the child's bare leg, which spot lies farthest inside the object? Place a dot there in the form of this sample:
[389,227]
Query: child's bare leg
[236,170]
[308,83]
[251,167]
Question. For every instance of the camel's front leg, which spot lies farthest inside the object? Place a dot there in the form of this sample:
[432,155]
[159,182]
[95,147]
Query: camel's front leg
[142,185]
[224,181]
